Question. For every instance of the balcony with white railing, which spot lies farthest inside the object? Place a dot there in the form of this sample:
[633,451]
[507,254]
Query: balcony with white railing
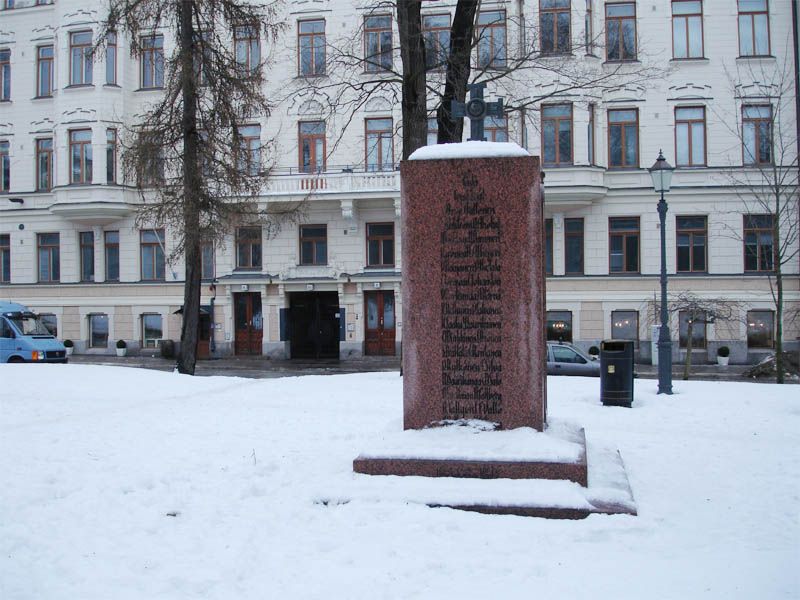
[334,182]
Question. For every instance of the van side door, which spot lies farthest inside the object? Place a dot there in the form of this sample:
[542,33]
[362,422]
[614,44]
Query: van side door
[7,340]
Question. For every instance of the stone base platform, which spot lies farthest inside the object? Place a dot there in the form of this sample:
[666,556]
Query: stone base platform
[517,472]
[570,468]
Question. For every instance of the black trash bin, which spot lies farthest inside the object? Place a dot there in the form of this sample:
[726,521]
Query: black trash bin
[167,349]
[616,372]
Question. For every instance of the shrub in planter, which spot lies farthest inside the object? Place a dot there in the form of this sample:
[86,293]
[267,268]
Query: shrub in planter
[121,344]
[723,354]
[69,346]
[121,348]
[594,351]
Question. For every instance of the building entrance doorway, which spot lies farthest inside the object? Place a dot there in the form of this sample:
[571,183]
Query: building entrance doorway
[204,336]
[380,326]
[248,323]
[314,324]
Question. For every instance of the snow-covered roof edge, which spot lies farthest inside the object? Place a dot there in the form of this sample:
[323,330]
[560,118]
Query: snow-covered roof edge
[469,150]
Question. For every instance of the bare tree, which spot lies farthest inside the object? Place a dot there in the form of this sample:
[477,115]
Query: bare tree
[700,311]
[767,183]
[436,66]
[196,164]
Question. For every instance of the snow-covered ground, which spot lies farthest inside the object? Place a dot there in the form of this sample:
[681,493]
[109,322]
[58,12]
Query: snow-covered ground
[94,460]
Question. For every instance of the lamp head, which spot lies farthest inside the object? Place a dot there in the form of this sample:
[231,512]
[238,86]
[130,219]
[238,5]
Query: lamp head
[661,172]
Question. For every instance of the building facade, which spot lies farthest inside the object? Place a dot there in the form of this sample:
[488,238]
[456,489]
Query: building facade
[699,79]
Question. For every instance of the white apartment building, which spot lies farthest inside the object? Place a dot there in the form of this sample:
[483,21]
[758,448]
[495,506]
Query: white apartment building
[330,286]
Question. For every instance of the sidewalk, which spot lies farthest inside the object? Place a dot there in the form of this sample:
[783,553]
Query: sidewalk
[256,367]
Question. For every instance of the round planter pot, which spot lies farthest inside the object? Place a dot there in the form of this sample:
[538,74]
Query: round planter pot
[69,350]
[121,351]
[722,361]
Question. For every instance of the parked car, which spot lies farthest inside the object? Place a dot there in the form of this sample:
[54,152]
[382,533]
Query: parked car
[566,359]
[24,338]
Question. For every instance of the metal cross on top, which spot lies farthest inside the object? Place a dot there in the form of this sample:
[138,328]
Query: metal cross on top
[477,109]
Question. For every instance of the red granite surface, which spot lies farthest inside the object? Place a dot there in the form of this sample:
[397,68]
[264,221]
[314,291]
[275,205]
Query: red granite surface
[473,292]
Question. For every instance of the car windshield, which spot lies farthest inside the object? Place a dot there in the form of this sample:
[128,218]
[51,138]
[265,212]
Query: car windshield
[29,324]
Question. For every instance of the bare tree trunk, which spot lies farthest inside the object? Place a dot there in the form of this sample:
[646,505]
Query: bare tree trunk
[458,70]
[687,364]
[776,235]
[187,358]
[414,99]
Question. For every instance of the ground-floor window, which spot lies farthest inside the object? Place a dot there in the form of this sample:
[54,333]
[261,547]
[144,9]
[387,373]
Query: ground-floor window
[760,328]
[559,326]
[625,325]
[98,331]
[151,330]
[698,319]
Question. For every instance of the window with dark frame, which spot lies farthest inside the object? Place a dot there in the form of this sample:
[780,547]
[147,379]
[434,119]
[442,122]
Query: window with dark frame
[111,155]
[250,149]
[98,331]
[152,330]
[623,244]
[247,47]
[491,39]
[49,257]
[691,239]
[152,62]
[80,152]
[687,28]
[80,52]
[151,242]
[554,26]
[377,43]
[44,164]
[754,28]
[621,31]
[590,135]
[380,244]
[112,255]
[625,325]
[379,144]
[573,246]
[5,74]
[759,243]
[111,58]
[44,71]
[5,166]
[312,146]
[5,258]
[207,268]
[433,131]
[311,47]
[757,134]
[699,321]
[248,248]
[588,29]
[623,138]
[557,134]
[760,329]
[496,129]
[436,32]
[313,244]
[86,240]
[548,246]
[690,136]
[559,326]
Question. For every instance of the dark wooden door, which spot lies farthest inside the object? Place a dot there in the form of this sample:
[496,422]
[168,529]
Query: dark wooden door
[249,323]
[380,324]
[314,318]
[204,337]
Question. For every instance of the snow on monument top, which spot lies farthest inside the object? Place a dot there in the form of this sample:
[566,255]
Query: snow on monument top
[471,149]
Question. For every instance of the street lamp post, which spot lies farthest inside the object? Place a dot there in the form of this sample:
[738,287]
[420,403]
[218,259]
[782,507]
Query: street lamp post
[661,172]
